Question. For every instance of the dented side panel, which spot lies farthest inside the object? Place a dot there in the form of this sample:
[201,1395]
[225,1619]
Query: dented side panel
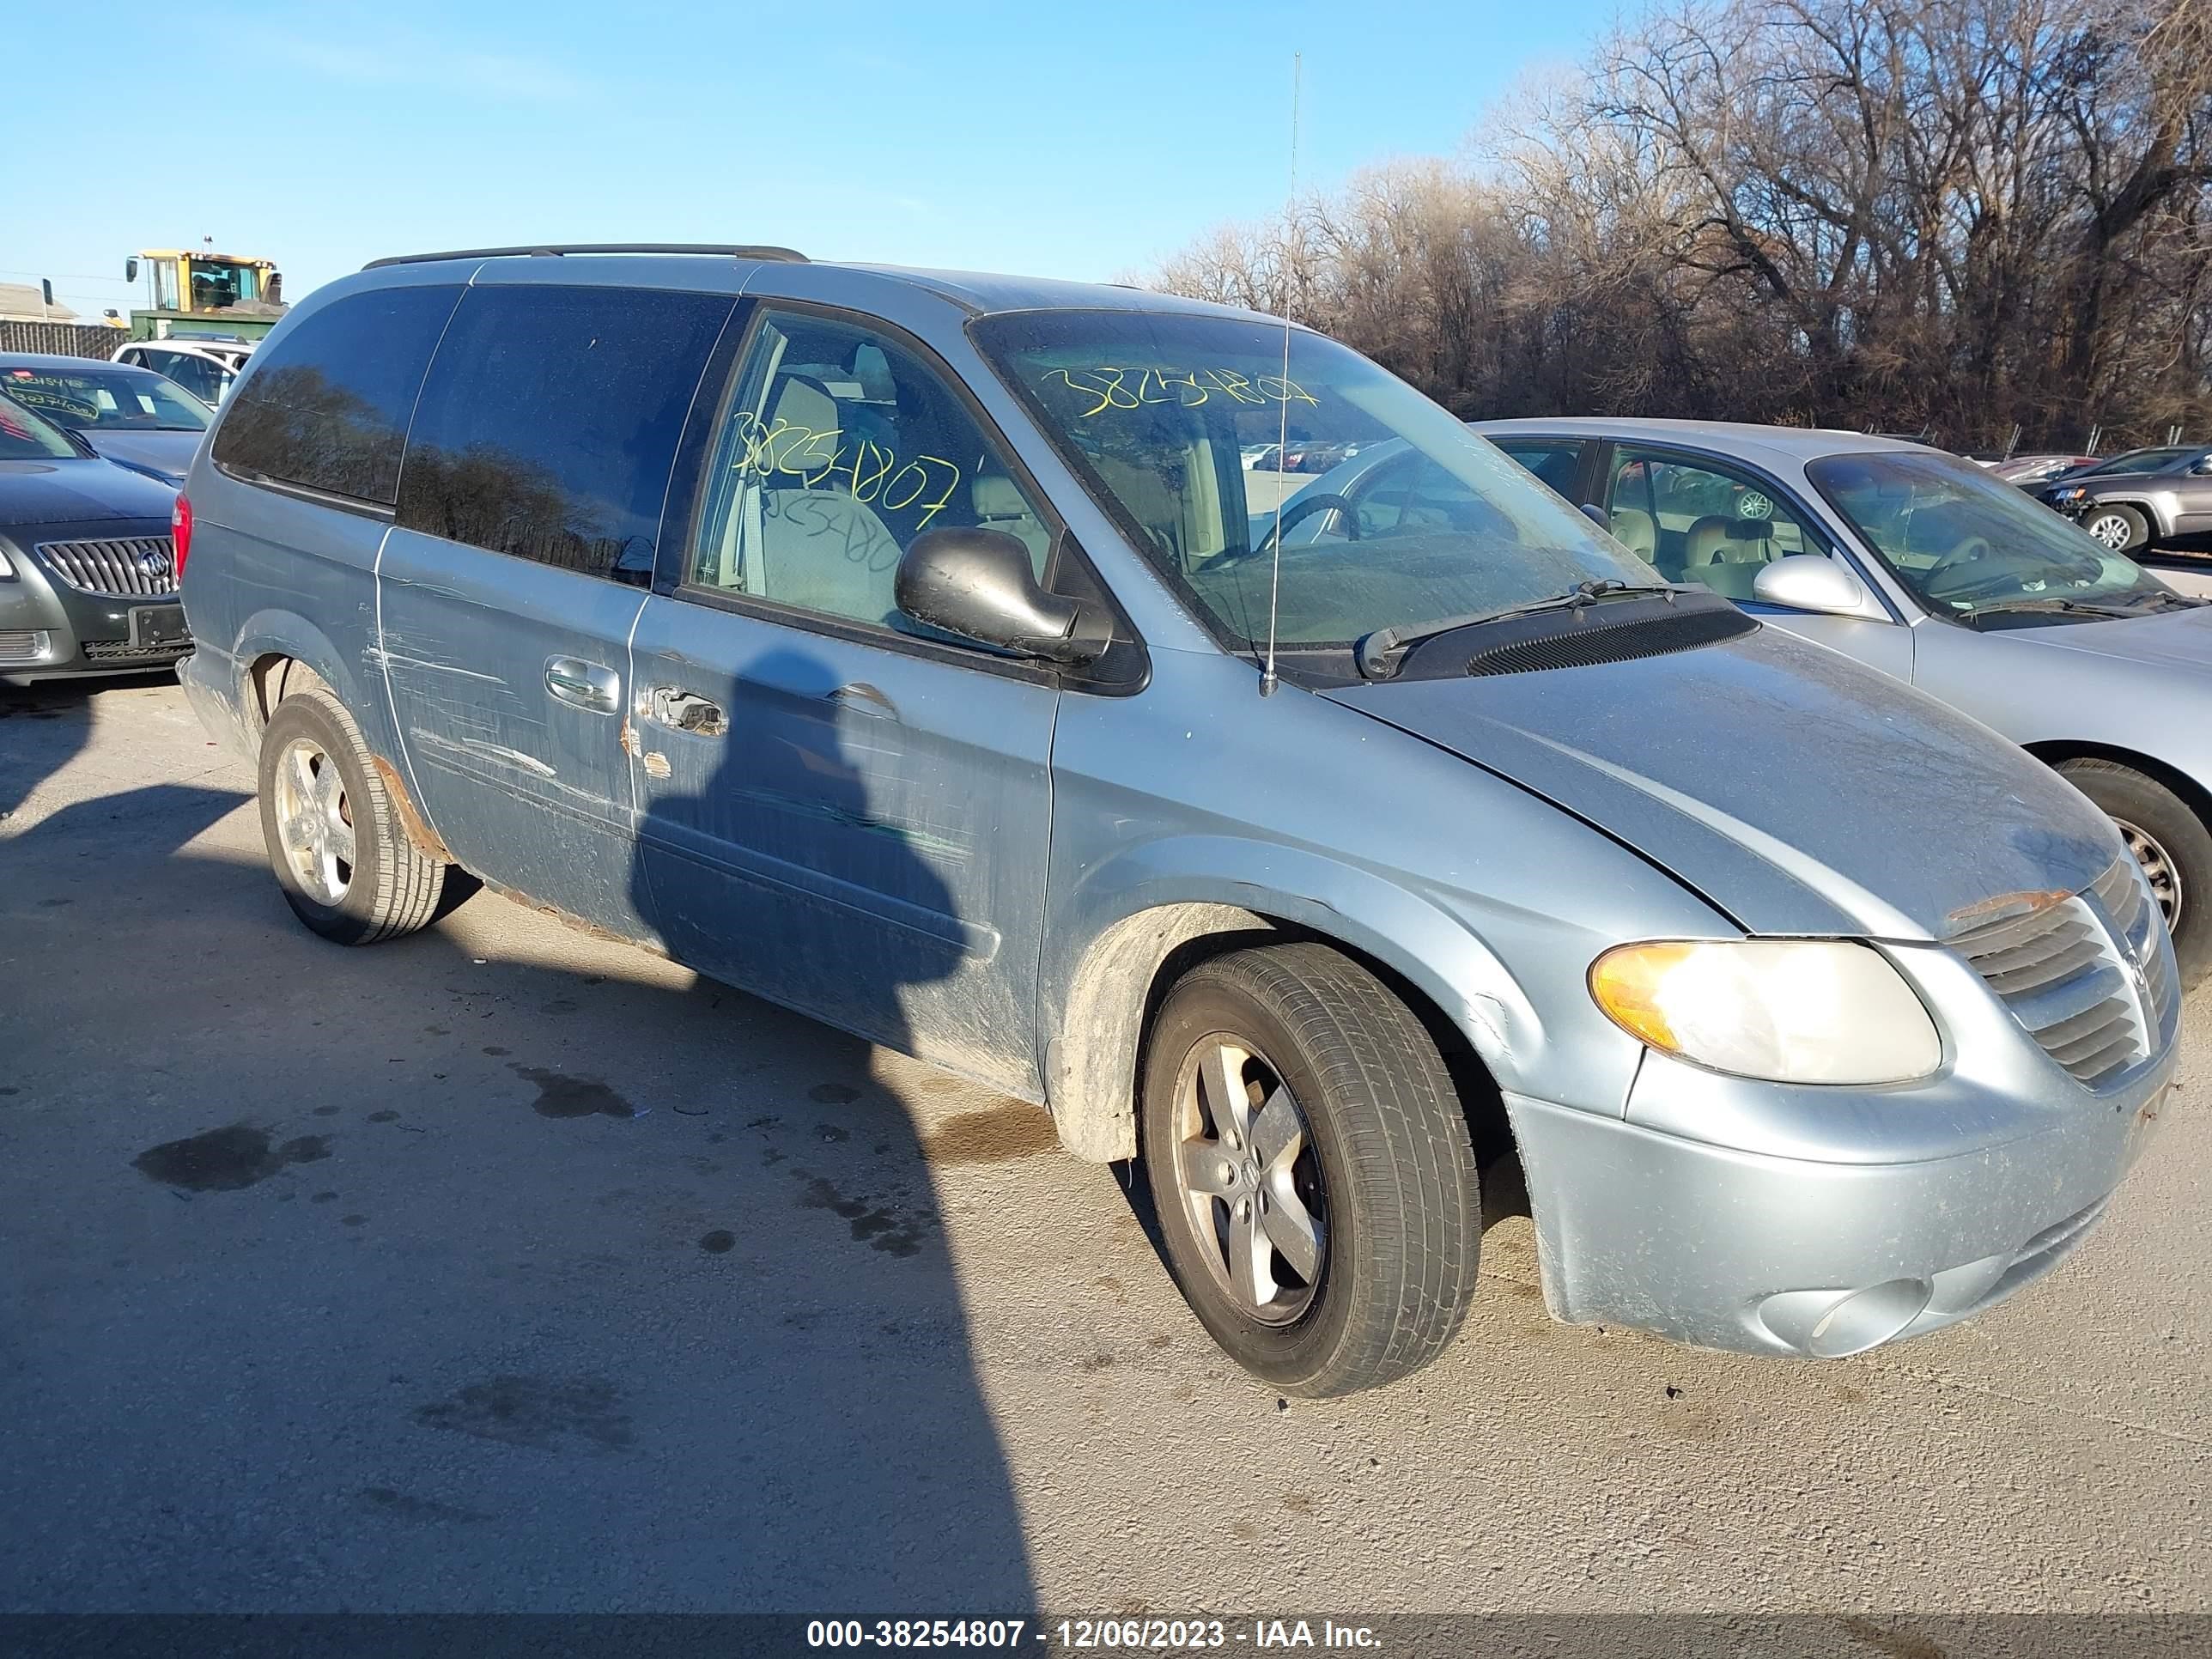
[860,833]
[1197,802]
[523,787]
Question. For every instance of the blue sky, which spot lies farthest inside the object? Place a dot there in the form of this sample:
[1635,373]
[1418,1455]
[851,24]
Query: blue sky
[1050,139]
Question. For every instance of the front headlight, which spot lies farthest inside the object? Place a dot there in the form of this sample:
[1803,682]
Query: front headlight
[7,570]
[1788,1011]
[2072,495]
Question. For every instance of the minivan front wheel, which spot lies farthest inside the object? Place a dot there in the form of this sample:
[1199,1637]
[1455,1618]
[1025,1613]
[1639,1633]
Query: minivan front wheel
[2171,843]
[1315,1180]
[341,855]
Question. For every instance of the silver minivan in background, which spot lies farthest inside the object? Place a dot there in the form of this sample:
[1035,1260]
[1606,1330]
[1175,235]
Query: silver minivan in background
[905,647]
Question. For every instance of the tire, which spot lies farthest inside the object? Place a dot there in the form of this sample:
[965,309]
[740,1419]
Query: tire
[1385,1165]
[2122,529]
[388,887]
[2172,843]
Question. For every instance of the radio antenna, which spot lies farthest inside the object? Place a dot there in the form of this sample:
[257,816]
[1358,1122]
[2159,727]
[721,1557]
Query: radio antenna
[1267,681]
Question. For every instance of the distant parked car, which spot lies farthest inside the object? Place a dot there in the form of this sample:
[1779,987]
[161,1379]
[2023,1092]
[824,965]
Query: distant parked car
[2144,497]
[2028,471]
[132,417]
[86,580]
[206,368]
[1925,567]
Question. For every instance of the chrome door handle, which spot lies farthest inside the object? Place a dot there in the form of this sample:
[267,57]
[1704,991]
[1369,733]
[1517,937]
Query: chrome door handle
[584,685]
[686,711]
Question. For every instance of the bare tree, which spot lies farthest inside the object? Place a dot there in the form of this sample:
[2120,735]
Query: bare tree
[1942,214]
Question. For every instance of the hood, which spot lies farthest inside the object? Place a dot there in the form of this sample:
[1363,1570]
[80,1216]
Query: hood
[2164,638]
[77,491]
[164,455]
[1796,790]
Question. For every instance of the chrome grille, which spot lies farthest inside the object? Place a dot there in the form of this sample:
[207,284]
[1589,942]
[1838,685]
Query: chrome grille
[133,567]
[2071,979]
[2135,920]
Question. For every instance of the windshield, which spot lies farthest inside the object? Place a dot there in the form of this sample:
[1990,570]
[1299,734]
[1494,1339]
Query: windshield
[1393,512]
[25,437]
[107,398]
[1969,544]
[2139,461]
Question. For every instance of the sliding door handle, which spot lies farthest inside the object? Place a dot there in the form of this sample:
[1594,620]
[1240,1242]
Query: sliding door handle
[584,685]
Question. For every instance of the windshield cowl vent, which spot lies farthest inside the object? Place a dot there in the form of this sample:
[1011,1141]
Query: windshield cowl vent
[1623,630]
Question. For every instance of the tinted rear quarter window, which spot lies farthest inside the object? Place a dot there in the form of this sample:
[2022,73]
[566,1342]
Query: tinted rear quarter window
[326,406]
[548,428]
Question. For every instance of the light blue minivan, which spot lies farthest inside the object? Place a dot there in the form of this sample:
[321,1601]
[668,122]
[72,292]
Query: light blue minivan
[914,649]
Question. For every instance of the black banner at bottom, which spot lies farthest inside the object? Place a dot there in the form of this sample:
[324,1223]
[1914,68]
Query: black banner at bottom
[1413,1636]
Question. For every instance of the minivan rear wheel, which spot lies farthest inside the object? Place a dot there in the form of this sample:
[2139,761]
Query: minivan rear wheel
[340,854]
[1314,1180]
[2171,843]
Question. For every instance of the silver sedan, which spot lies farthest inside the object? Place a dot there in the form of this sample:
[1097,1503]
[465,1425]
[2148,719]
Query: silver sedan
[1921,565]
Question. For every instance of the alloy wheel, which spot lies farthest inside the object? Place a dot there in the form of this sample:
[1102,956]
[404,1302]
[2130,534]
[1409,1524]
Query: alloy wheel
[2112,529]
[2158,869]
[1247,1170]
[314,821]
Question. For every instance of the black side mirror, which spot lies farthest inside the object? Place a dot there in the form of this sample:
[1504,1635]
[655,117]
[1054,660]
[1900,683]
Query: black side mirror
[1597,515]
[980,585]
[130,271]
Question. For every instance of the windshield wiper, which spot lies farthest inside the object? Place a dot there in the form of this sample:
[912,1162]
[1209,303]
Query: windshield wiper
[2167,595]
[1377,655]
[2071,607]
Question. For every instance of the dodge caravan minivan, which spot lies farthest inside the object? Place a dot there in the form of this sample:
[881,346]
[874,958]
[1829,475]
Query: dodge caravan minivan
[914,649]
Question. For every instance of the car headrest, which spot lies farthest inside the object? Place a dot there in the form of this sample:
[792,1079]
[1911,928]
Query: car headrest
[997,496]
[1707,539]
[803,405]
[1635,529]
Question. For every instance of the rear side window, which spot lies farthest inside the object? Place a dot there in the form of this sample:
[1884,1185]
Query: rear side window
[549,425]
[326,406]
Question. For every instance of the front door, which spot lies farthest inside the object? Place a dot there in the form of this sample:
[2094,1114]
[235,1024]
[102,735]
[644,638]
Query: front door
[530,508]
[1700,518]
[840,810]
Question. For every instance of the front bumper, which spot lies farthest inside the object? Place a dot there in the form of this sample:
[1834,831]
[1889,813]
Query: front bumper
[51,631]
[1765,1254]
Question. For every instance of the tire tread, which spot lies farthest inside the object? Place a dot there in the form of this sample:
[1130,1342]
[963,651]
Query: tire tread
[1419,1252]
[408,883]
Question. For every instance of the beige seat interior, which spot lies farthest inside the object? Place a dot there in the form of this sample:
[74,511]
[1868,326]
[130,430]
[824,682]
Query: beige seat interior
[1635,529]
[810,546]
[1000,505]
[1721,555]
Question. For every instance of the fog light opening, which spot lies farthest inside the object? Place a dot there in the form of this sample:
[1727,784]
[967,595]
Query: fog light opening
[1867,1319]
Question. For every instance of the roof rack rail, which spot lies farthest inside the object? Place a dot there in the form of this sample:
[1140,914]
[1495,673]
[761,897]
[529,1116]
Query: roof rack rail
[778,255]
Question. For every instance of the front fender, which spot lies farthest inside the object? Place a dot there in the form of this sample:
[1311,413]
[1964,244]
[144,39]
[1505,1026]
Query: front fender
[1113,930]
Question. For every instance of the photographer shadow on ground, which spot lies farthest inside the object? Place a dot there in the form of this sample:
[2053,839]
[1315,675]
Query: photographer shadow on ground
[558,1284]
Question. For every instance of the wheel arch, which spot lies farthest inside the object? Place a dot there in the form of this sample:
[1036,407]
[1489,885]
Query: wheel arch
[2142,507]
[2193,794]
[279,653]
[1103,1000]
[272,647]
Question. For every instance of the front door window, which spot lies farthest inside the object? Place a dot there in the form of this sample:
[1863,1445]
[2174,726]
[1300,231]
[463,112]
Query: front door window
[839,447]
[1703,521]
